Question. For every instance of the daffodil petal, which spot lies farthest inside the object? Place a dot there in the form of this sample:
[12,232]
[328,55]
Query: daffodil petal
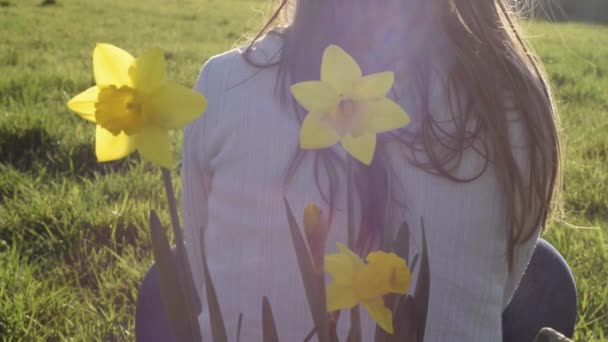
[112,147]
[385,115]
[340,297]
[174,106]
[316,134]
[316,96]
[343,266]
[84,103]
[340,268]
[149,71]
[361,147]
[380,313]
[153,145]
[111,65]
[339,70]
[374,86]
[355,259]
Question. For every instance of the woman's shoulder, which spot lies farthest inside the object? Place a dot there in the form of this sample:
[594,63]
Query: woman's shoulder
[236,66]
[237,83]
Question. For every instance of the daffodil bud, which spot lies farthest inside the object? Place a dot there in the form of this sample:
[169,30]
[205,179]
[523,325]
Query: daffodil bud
[312,219]
[315,228]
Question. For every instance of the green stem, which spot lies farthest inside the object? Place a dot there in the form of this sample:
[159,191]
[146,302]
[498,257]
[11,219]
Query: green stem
[177,231]
[355,320]
[349,204]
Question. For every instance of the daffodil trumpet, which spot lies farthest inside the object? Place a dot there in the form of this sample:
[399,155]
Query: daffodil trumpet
[357,282]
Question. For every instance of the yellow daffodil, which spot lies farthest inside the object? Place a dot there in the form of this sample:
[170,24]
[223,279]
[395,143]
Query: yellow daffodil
[347,107]
[356,282]
[134,105]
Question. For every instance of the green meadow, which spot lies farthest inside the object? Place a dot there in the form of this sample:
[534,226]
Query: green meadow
[74,243]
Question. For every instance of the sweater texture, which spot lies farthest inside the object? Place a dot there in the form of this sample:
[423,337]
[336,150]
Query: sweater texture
[234,162]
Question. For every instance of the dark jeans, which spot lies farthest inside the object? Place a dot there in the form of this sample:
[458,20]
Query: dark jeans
[546,297]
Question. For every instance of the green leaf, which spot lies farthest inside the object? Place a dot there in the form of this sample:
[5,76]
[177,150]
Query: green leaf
[269,328]
[314,292]
[192,305]
[173,296]
[387,238]
[310,335]
[401,245]
[239,327]
[380,335]
[414,262]
[218,328]
[333,331]
[421,295]
[404,320]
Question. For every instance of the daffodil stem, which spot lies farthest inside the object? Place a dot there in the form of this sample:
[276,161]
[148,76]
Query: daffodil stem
[349,203]
[186,280]
[177,231]
[355,320]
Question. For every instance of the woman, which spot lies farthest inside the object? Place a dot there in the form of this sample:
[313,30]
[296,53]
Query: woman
[479,162]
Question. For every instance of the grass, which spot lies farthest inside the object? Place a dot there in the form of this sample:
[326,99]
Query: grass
[576,57]
[73,238]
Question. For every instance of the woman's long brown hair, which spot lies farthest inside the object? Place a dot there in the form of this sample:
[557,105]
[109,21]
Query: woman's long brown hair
[499,75]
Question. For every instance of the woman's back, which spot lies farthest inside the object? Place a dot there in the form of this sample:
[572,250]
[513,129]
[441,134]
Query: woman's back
[234,167]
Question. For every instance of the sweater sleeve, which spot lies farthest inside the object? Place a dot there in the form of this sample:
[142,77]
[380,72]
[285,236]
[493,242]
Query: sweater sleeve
[196,176]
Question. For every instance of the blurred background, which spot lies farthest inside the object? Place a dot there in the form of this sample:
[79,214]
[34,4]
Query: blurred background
[74,242]
[582,10]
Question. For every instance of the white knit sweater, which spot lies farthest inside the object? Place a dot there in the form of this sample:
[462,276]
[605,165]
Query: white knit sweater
[234,162]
